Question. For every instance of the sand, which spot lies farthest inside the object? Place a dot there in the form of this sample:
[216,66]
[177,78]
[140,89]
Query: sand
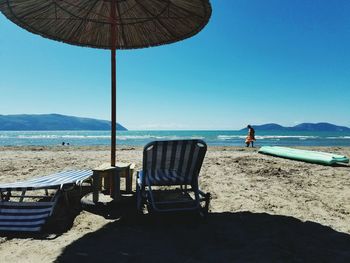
[263,209]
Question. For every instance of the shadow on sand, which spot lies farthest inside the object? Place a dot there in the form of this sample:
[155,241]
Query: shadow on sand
[221,237]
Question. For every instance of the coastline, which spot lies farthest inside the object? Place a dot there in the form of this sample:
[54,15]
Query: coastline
[239,179]
[138,147]
[141,138]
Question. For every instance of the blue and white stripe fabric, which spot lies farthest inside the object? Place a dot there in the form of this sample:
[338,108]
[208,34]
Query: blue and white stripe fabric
[175,162]
[65,178]
[24,216]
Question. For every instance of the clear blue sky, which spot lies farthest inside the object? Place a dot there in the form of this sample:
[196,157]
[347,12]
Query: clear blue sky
[255,62]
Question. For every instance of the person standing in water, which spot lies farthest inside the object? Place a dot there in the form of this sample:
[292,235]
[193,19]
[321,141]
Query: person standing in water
[250,137]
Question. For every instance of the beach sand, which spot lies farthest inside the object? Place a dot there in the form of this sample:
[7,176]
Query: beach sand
[263,209]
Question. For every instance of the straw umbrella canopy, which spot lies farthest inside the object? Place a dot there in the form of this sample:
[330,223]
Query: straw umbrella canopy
[110,24]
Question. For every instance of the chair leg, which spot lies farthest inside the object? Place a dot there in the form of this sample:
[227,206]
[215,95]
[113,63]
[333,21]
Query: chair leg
[195,188]
[207,202]
[205,210]
[138,198]
[139,194]
[151,197]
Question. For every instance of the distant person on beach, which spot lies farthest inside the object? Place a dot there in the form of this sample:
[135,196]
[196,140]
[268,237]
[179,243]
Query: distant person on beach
[63,143]
[250,137]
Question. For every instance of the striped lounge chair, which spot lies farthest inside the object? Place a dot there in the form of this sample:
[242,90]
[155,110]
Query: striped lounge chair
[174,163]
[23,212]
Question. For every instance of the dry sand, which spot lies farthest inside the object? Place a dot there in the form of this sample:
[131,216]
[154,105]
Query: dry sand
[263,209]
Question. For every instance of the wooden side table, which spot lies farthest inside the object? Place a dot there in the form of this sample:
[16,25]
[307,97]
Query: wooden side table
[126,170]
[107,177]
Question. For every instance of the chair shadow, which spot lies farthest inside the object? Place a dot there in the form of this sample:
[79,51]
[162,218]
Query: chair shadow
[221,237]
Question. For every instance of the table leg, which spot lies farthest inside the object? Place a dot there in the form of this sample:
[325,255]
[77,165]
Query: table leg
[95,186]
[116,185]
[128,180]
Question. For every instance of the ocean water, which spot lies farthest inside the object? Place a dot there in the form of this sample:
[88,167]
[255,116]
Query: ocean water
[140,138]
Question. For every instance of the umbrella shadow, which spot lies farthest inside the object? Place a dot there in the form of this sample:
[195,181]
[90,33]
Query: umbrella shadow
[221,237]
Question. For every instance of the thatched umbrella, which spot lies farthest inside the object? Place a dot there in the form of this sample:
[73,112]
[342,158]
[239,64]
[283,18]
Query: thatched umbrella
[110,24]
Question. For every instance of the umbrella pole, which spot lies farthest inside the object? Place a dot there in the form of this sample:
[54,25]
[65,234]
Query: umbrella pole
[113,104]
[113,89]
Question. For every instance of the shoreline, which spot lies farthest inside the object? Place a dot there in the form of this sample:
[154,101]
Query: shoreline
[138,147]
[141,138]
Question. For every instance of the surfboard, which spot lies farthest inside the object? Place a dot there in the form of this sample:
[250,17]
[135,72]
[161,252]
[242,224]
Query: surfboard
[304,155]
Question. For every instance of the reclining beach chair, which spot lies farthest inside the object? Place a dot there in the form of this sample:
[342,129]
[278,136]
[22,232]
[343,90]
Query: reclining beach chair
[172,163]
[22,212]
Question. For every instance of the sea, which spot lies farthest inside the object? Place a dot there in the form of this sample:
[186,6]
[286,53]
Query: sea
[140,138]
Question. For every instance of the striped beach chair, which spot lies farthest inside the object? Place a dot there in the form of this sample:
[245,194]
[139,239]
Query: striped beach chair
[23,209]
[174,163]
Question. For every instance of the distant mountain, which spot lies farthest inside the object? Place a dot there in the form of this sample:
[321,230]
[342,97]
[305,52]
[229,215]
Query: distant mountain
[46,122]
[322,126]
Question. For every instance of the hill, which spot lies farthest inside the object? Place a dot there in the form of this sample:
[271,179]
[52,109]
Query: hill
[319,127]
[46,122]
[322,126]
